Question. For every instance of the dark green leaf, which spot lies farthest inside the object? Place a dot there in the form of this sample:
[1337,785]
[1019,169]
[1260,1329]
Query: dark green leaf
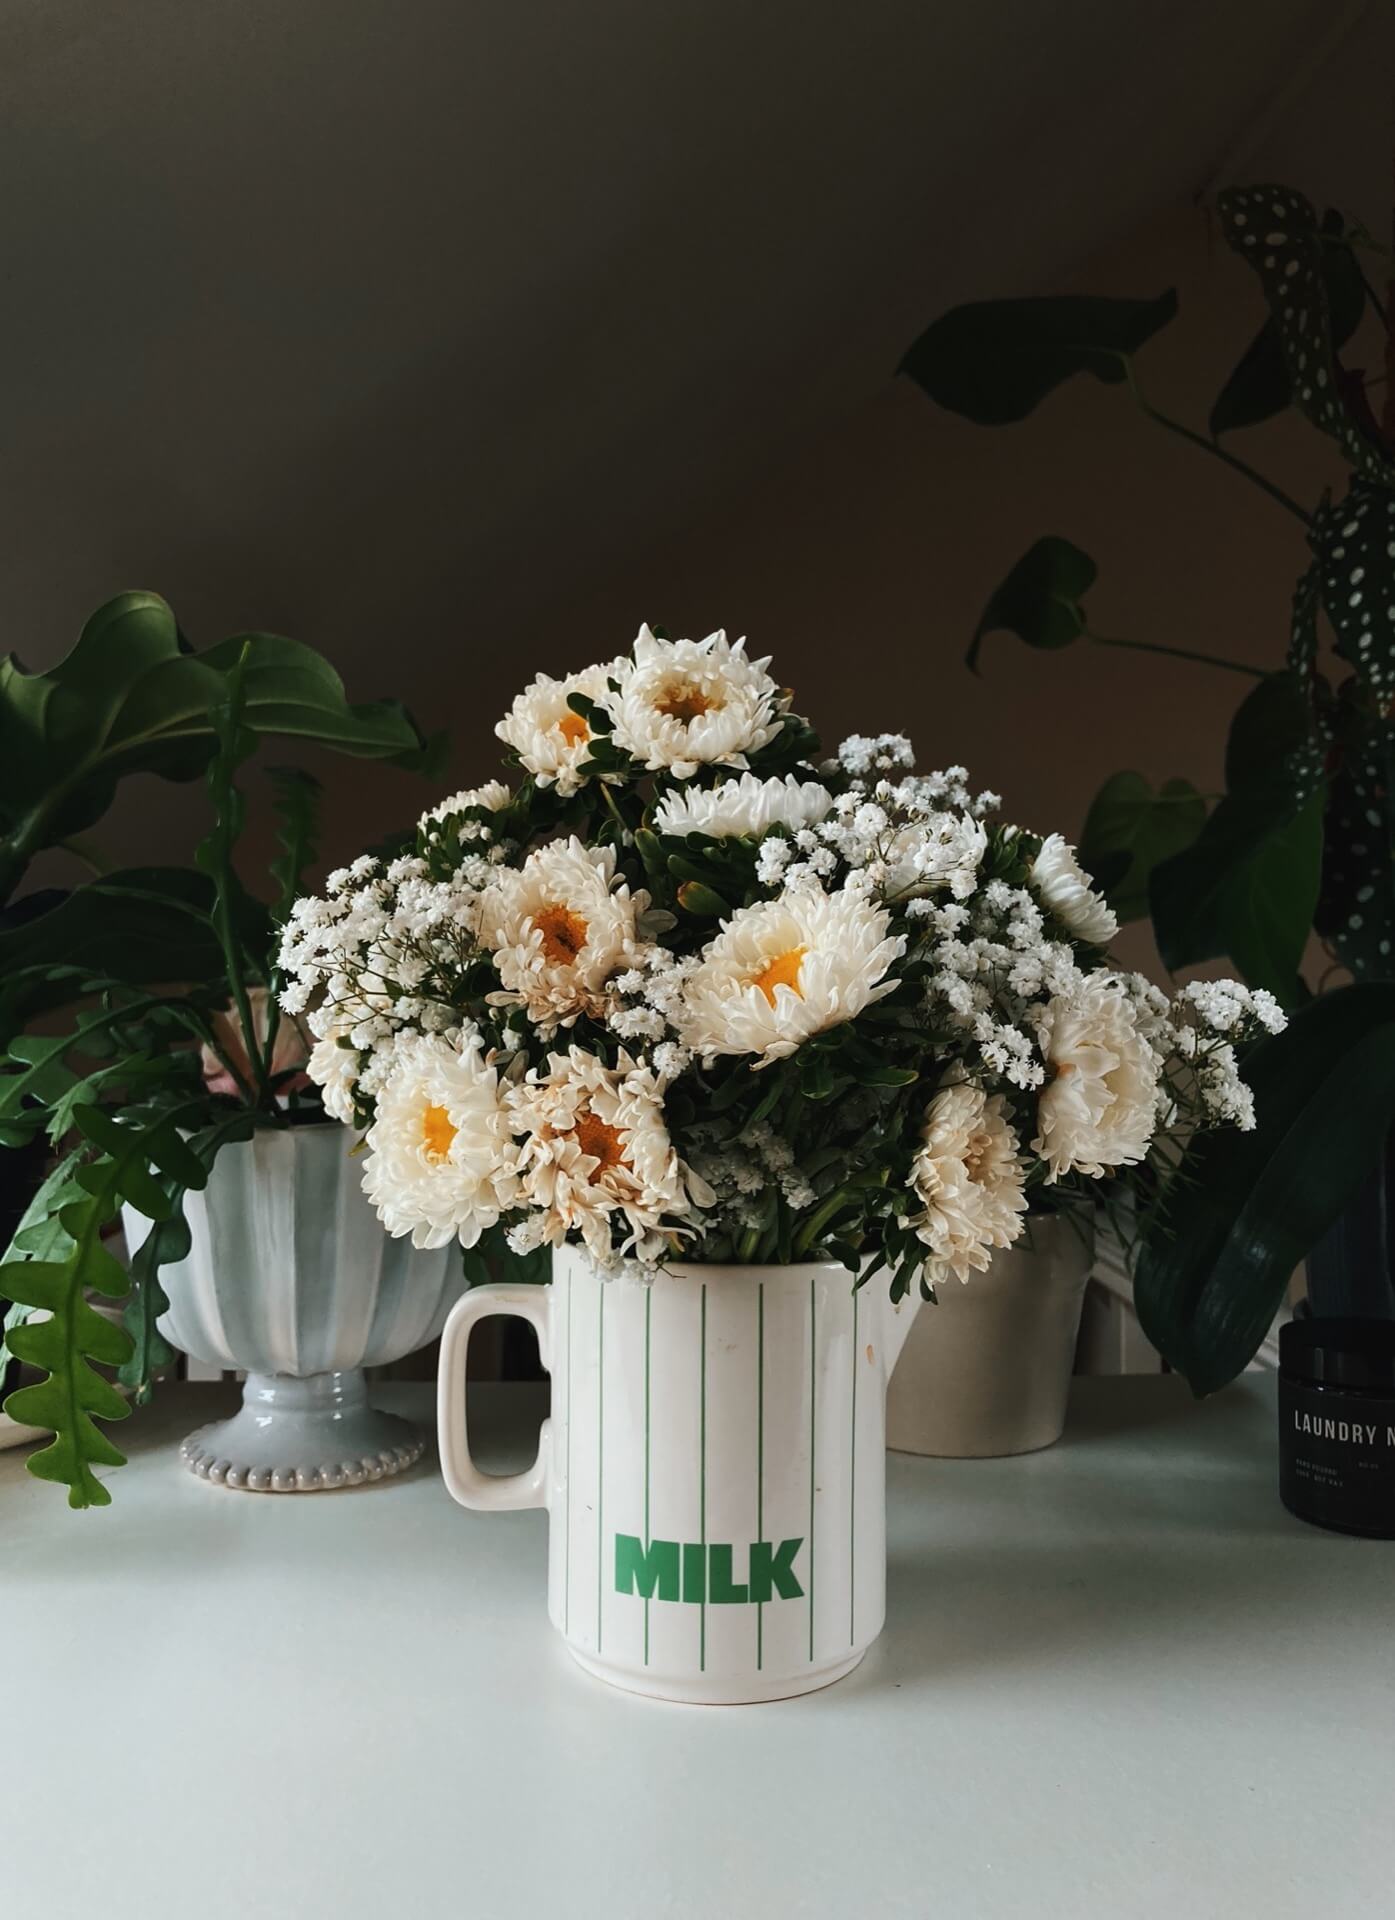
[1131,829]
[1247,886]
[995,360]
[1356,907]
[1208,1288]
[1039,600]
[297,803]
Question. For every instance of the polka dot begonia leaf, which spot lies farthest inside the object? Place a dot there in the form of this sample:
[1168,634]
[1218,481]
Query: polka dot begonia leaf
[1354,540]
[1277,232]
[1356,904]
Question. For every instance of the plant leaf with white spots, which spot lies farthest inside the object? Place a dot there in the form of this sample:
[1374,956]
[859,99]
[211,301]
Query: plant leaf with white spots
[1276,231]
[1356,906]
[1354,540]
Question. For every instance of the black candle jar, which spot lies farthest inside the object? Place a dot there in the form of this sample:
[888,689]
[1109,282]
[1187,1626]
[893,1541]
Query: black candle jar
[1337,1424]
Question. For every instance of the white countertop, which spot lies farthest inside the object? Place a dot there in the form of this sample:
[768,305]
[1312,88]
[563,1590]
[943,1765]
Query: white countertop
[1117,1680]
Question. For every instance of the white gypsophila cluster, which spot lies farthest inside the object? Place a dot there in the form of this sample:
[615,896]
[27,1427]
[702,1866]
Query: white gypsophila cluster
[373,958]
[741,1173]
[864,753]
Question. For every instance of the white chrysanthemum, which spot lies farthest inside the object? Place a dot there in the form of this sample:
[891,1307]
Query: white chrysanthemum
[784,969]
[744,806]
[334,1069]
[441,1163]
[548,737]
[594,1146]
[1061,884]
[493,795]
[968,1177]
[1098,1108]
[560,926]
[685,704]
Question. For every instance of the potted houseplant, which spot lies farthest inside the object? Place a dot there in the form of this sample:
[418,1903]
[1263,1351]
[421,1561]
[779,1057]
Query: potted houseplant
[1300,843]
[761,1049]
[185,1104]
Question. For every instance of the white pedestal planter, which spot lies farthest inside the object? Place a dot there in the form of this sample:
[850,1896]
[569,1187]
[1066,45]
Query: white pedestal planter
[291,1278]
[987,1371]
[713,1469]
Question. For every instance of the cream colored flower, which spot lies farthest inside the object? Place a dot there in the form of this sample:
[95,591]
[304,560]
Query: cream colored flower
[743,806]
[968,1177]
[1098,1108]
[493,795]
[441,1162]
[1063,887]
[548,737]
[560,926]
[785,969]
[685,704]
[596,1153]
[334,1070]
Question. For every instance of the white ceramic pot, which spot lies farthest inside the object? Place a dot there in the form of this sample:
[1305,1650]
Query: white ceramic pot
[713,1469]
[291,1277]
[987,1370]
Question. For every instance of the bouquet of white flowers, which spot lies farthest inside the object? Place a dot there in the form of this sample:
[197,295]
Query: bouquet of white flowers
[688,988]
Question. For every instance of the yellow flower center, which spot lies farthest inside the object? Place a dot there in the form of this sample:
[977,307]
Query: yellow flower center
[573,728]
[603,1142]
[437,1132]
[563,934]
[782,971]
[684,700]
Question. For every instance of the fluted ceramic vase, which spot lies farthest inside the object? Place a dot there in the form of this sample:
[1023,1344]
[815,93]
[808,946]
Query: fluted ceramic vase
[291,1278]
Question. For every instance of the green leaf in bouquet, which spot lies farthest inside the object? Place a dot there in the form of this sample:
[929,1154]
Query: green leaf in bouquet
[1130,829]
[994,361]
[1260,386]
[1276,231]
[700,901]
[1250,1205]
[1039,599]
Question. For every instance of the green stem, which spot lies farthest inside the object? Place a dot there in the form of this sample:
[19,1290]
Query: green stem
[1177,653]
[820,1218]
[1210,446]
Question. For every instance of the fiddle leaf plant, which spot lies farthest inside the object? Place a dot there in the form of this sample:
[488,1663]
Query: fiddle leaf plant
[1302,839]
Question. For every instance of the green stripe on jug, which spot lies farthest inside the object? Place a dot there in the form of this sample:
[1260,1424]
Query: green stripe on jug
[567,1542]
[760,1455]
[813,1395]
[852,1491]
[702,1483]
[648,1303]
[600,1459]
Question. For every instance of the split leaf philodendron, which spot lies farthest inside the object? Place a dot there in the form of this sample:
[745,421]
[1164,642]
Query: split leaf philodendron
[1303,838]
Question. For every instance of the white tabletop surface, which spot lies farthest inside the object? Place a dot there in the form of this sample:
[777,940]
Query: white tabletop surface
[1117,1679]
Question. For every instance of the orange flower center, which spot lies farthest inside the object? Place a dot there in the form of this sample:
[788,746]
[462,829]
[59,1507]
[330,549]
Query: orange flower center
[603,1142]
[682,700]
[437,1133]
[573,728]
[782,971]
[563,934]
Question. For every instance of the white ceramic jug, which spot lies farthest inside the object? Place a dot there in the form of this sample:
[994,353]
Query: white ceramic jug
[713,1468]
